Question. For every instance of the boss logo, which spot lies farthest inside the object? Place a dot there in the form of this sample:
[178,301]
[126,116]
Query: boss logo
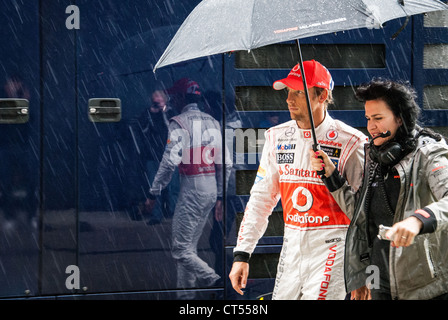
[285,158]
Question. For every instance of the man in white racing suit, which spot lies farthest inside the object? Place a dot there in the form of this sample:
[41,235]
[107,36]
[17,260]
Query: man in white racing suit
[311,260]
[195,147]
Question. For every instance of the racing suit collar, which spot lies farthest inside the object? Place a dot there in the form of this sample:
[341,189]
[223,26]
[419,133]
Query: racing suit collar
[190,106]
[322,127]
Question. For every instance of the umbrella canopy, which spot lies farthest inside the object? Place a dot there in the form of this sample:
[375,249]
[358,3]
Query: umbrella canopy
[218,26]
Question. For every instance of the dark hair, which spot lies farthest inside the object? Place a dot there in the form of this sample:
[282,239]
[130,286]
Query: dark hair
[400,97]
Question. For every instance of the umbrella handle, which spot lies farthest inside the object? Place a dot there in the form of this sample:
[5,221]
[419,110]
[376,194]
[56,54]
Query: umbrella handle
[321,173]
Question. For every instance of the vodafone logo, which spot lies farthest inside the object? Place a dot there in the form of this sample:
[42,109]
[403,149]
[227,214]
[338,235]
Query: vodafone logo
[295,72]
[302,199]
[332,134]
[307,134]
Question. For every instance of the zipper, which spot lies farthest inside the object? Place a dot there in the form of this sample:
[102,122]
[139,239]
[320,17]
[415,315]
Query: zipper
[429,258]
[350,235]
[367,191]
[399,208]
[393,289]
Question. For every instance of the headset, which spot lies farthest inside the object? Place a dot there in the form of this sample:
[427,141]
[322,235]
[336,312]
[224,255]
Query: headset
[388,154]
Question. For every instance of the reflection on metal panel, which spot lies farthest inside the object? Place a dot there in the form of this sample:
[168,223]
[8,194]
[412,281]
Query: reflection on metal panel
[244,181]
[434,56]
[437,19]
[260,98]
[265,98]
[263,265]
[335,56]
[435,97]
[275,227]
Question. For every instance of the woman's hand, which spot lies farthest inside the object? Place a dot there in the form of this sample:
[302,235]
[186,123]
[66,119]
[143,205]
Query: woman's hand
[318,164]
[403,233]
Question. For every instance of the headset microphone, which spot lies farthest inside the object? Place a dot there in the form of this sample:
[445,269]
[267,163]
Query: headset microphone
[382,135]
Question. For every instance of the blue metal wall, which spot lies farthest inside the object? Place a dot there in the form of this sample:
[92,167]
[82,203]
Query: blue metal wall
[73,191]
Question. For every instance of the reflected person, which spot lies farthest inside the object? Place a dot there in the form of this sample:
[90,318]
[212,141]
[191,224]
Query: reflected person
[194,147]
[154,127]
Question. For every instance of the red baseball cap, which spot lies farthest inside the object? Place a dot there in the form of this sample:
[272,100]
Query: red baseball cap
[186,86]
[316,76]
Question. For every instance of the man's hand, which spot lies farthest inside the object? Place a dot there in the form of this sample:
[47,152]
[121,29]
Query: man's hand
[149,205]
[218,210]
[238,276]
[362,293]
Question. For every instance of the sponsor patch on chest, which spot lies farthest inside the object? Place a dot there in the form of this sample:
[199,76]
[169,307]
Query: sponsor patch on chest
[283,158]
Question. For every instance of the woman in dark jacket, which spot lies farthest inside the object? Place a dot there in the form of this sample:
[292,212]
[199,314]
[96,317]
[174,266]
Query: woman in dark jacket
[405,186]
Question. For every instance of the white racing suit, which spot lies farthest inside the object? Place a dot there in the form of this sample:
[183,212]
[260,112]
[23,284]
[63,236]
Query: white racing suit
[194,146]
[311,260]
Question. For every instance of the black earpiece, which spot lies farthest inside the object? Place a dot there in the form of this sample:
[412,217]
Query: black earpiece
[388,154]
